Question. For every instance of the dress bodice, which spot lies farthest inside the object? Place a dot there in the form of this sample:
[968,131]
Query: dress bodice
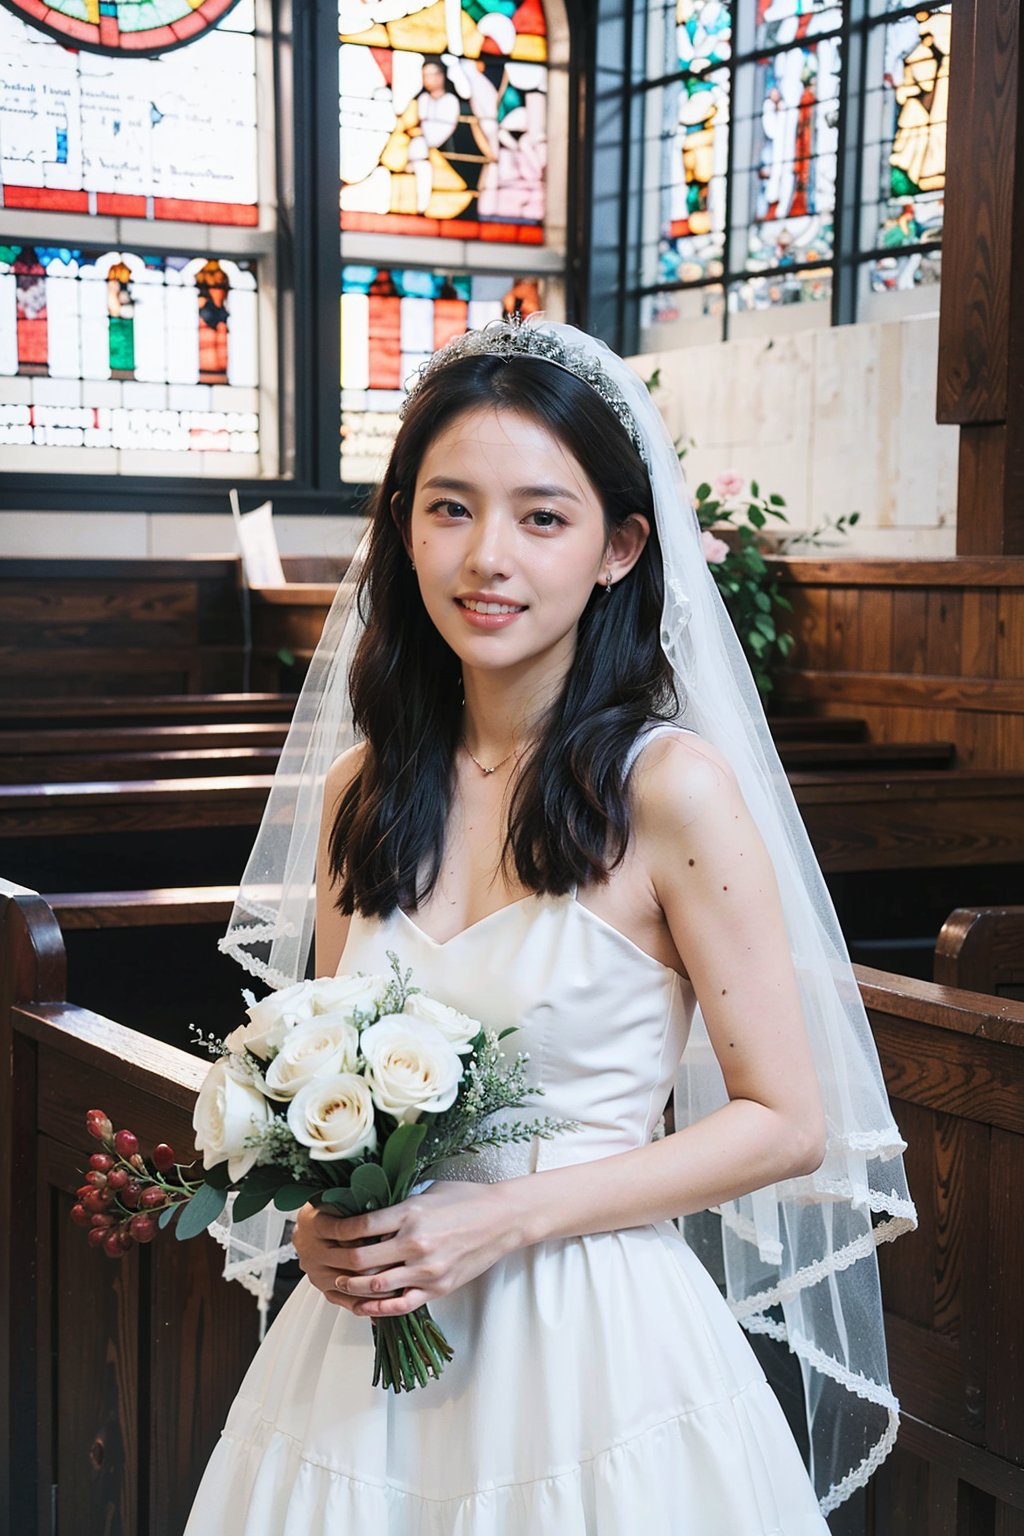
[603,1022]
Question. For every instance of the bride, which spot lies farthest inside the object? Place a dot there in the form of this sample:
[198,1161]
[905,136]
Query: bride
[563,811]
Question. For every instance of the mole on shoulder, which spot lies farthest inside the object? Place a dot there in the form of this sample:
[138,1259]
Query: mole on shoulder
[692,862]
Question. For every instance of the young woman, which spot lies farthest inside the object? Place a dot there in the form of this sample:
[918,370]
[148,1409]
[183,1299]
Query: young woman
[538,820]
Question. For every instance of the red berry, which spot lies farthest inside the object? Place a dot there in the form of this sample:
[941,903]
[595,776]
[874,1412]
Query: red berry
[152,1198]
[117,1178]
[83,1189]
[163,1157]
[103,1219]
[96,1236]
[97,1123]
[130,1194]
[142,1228]
[79,1215]
[96,1179]
[127,1143]
[138,1161]
[112,1245]
[97,1200]
[101,1161]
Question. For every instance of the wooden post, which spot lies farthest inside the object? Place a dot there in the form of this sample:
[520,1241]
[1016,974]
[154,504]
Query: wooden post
[981,321]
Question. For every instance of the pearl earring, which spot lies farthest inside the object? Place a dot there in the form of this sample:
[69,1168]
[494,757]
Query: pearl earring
[607,583]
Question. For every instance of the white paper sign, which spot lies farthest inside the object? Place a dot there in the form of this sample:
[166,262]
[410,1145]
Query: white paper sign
[261,559]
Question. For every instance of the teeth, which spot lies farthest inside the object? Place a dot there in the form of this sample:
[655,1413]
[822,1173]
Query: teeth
[489,607]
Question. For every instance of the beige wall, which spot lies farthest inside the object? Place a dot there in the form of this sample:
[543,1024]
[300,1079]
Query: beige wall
[837,419]
[141,535]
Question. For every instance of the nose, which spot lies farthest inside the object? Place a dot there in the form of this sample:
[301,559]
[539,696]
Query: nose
[490,548]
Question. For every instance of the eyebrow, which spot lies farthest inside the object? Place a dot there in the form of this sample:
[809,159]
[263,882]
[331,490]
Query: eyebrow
[442,482]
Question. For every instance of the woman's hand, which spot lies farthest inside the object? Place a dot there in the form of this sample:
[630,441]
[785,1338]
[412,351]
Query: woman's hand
[388,1262]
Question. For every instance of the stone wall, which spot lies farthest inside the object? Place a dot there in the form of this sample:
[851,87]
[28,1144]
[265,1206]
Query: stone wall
[836,419]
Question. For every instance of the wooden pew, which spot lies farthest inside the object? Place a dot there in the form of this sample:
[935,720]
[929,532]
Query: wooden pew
[146,710]
[954,1291]
[116,1378]
[171,832]
[982,948]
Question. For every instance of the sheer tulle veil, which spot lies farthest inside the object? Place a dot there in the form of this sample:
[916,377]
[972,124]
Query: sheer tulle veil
[798,1258]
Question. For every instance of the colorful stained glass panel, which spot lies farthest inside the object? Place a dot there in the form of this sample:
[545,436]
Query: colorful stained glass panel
[113,350]
[171,138]
[703,33]
[782,22]
[691,167]
[790,176]
[905,150]
[443,118]
[392,319]
[136,27]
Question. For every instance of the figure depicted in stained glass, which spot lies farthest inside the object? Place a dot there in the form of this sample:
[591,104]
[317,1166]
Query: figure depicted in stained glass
[918,157]
[121,322]
[30,309]
[212,282]
[699,102]
[443,117]
[136,27]
[796,167]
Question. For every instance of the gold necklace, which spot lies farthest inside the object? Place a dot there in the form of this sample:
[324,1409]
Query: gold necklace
[485,769]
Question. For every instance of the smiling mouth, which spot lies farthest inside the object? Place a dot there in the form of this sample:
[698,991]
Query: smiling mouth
[474,607]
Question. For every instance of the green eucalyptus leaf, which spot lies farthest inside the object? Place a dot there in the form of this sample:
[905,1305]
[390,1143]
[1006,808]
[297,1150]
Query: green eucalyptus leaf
[754,489]
[217,1177]
[371,1184]
[702,492]
[342,1200]
[250,1199]
[205,1206]
[293,1196]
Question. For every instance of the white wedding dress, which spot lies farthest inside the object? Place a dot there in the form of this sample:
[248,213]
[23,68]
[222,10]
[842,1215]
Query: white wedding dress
[600,1385]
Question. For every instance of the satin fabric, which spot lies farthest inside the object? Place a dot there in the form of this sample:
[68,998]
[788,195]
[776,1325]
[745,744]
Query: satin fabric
[600,1385]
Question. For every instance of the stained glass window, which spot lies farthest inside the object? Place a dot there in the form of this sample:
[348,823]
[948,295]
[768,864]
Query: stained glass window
[392,319]
[744,102]
[444,118]
[167,138]
[128,26]
[120,351]
[905,165]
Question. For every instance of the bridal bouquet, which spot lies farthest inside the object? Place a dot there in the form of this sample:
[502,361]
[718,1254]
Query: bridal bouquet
[341,1092]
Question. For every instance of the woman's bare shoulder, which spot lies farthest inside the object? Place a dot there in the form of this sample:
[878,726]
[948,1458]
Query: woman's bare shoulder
[342,771]
[679,776]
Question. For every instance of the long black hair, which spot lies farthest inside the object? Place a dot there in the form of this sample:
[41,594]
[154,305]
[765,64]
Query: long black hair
[569,813]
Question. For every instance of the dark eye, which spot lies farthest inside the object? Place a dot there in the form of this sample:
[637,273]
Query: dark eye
[435,506]
[546,512]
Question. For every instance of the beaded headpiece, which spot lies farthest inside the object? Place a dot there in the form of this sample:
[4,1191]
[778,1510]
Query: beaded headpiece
[512,336]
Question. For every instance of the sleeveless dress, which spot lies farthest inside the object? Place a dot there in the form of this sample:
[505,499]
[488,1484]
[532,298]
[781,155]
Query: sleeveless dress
[600,1386]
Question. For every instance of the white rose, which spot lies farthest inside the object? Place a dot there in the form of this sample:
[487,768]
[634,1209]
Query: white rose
[228,1110]
[319,1047]
[333,1117]
[334,994]
[273,1019]
[458,1028]
[410,1067]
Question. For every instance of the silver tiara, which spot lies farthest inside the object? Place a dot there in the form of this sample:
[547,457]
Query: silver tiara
[511,336]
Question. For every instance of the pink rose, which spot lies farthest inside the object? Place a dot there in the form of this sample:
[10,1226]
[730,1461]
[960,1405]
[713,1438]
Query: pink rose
[715,550]
[729,483]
